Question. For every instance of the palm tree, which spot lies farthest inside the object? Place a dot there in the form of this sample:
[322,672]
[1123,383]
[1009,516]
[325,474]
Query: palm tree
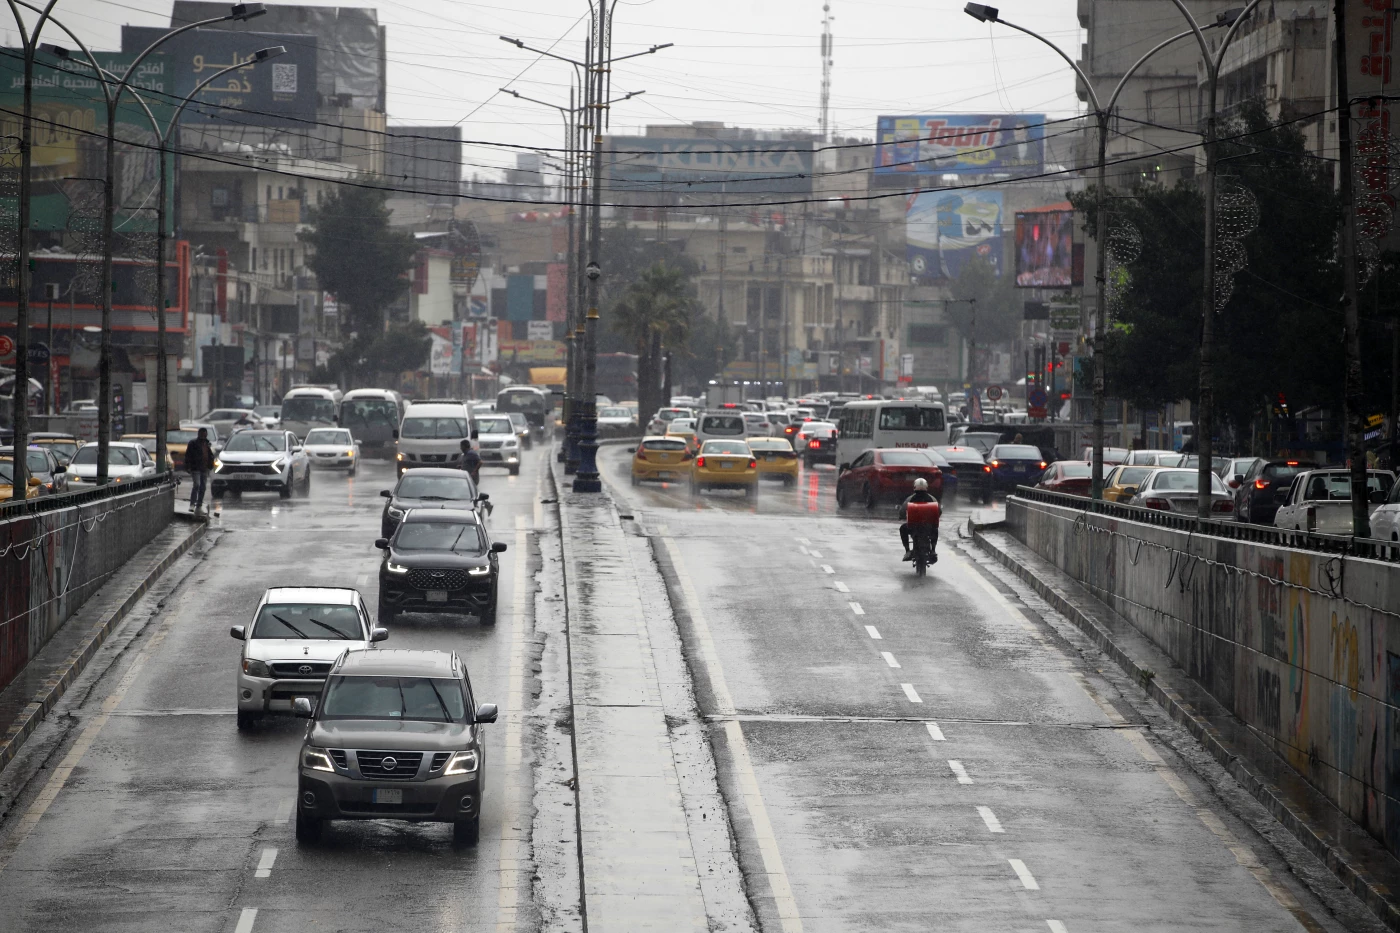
[655,312]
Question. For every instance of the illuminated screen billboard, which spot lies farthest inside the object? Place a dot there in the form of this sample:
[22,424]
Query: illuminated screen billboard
[1045,249]
[945,229]
[961,144]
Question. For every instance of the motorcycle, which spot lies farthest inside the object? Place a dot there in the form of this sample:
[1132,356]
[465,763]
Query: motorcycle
[923,533]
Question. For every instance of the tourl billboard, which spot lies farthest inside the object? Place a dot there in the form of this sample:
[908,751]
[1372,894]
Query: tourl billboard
[961,144]
[278,92]
[711,166]
[1045,249]
[945,229]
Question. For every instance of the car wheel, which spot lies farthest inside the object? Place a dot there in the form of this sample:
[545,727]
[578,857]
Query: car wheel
[872,498]
[308,827]
[488,615]
[466,832]
[353,468]
[841,500]
[286,491]
[246,720]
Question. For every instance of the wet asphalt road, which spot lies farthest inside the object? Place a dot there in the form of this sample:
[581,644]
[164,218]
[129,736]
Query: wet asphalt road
[930,756]
[169,813]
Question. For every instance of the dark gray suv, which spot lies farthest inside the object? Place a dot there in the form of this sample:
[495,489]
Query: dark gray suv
[396,735]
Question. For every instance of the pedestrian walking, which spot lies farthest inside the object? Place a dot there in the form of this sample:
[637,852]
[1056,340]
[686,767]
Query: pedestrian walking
[471,460]
[199,460]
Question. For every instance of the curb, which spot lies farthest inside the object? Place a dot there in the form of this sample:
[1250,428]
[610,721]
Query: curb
[57,685]
[1374,894]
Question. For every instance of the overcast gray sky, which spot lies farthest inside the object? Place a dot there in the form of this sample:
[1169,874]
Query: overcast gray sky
[736,61]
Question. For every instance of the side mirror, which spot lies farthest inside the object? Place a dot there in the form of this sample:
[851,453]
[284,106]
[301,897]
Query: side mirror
[387,493]
[631,450]
[33,480]
[381,543]
[61,468]
[1281,495]
[301,707]
[297,449]
[486,712]
[498,547]
[843,467]
[236,631]
[1130,491]
[475,433]
[379,634]
[1237,479]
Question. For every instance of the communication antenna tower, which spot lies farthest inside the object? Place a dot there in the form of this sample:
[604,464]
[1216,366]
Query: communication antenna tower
[826,73]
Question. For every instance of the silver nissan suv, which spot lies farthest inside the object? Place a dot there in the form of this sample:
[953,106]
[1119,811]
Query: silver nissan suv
[395,735]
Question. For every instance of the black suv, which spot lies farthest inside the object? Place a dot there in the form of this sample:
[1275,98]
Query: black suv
[439,560]
[430,488]
[1256,499]
[395,735]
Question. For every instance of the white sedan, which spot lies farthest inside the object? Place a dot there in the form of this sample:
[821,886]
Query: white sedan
[616,417]
[126,461]
[332,447]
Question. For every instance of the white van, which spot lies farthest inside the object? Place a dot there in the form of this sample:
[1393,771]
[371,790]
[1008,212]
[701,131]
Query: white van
[307,407]
[431,435]
[723,425]
[372,415]
[875,423]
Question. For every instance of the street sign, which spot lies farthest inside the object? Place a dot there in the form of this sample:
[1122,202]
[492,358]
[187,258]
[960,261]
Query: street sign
[7,346]
[1037,396]
[994,393]
[1064,317]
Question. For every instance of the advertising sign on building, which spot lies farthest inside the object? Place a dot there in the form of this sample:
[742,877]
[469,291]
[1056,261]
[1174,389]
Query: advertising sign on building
[532,351]
[1045,249]
[647,163]
[440,356]
[539,330]
[962,144]
[276,93]
[945,229]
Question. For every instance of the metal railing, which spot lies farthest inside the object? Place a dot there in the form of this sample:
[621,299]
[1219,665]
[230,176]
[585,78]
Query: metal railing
[1370,548]
[15,508]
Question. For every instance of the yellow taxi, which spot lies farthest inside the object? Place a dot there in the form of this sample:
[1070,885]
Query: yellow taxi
[1122,482]
[684,428]
[775,457]
[148,441]
[660,458]
[7,481]
[725,465]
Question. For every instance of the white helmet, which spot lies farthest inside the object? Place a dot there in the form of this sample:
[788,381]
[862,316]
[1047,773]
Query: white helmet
[921,485]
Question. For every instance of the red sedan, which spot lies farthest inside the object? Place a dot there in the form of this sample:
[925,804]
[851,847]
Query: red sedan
[886,474]
[1068,476]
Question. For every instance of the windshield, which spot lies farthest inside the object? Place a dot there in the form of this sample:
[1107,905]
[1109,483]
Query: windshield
[247,440]
[434,428]
[664,445]
[327,436]
[726,447]
[308,620]
[436,487]
[7,472]
[1076,470]
[983,442]
[1183,481]
[66,448]
[769,443]
[116,456]
[615,413]
[1016,452]
[520,401]
[367,411]
[905,458]
[460,537]
[147,442]
[518,419]
[494,425]
[911,419]
[267,411]
[422,699]
[308,409]
[1131,476]
[179,437]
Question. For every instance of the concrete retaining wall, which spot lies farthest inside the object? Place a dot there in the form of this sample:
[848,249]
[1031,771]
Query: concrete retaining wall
[50,562]
[1303,647]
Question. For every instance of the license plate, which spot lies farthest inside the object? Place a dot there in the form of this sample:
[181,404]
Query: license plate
[246,475]
[388,795]
[770,457]
[437,596]
[726,466]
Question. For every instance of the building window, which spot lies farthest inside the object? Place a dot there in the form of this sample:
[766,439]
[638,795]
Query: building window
[928,335]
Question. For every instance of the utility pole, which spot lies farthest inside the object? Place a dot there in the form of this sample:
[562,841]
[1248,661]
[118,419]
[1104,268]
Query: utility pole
[1355,416]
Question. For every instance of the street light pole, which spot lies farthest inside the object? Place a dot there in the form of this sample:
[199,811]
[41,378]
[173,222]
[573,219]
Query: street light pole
[1102,112]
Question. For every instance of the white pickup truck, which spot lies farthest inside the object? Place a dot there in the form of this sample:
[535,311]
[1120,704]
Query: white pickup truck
[1320,500]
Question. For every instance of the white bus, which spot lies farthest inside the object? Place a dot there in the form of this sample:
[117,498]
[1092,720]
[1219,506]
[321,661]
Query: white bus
[874,423]
[307,407]
[372,415]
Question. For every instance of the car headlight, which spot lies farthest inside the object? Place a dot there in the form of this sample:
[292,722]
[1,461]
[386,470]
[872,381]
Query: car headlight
[395,514]
[479,571]
[461,763]
[350,453]
[399,457]
[317,759]
[255,668]
[395,568]
[218,464]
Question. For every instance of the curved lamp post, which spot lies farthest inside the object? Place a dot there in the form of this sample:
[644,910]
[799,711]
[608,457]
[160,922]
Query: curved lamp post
[1102,112]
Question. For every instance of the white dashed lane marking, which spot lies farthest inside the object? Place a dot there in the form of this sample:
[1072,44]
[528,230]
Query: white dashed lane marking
[1024,873]
[827,568]
[815,553]
[245,920]
[873,632]
[889,659]
[265,862]
[841,587]
[911,693]
[1056,926]
[934,732]
[957,767]
[855,607]
[990,818]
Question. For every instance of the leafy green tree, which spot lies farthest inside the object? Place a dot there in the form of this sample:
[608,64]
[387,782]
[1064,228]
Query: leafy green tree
[357,257]
[655,314]
[403,347]
[999,304]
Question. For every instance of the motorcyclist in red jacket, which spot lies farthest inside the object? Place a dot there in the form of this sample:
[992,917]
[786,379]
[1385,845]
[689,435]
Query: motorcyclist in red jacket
[921,494]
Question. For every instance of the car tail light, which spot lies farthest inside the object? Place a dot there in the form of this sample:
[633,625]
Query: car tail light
[1291,462]
[753,464]
[1160,504]
[814,444]
[1042,464]
[996,463]
[986,468]
[700,462]
[1261,484]
[1222,505]
[641,454]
